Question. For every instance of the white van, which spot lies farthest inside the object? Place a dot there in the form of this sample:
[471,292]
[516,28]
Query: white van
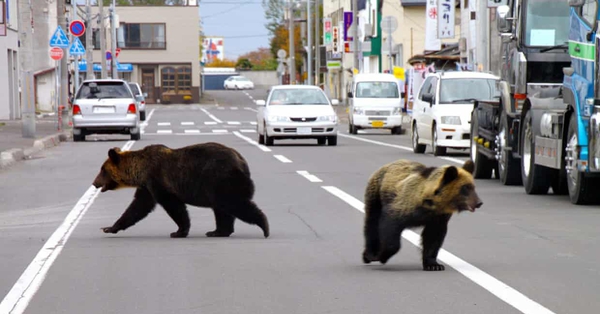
[376,102]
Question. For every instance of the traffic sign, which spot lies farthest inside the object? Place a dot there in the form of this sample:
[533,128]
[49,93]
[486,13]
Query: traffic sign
[281,53]
[117,51]
[77,48]
[59,39]
[77,28]
[389,24]
[56,53]
[108,55]
[327,31]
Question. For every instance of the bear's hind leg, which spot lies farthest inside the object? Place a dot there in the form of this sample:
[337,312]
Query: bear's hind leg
[143,203]
[371,228]
[246,211]
[224,223]
[176,209]
[432,239]
[389,233]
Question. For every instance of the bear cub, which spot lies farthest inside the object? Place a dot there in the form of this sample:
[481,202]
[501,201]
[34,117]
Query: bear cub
[204,175]
[407,194]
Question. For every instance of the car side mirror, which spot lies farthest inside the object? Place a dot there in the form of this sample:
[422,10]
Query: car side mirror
[260,102]
[428,98]
[349,94]
[139,97]
[335,102]
[503,21]
[145,95]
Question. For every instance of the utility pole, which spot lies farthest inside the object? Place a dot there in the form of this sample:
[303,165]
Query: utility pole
[76,61]
[26,57]
[113,37]
[292,66]
[317,42]
[310,43]
[356,53]
[102,38]
[64,67]
[89,51]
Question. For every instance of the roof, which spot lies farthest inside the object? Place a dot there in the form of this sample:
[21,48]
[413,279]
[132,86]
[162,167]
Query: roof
[448,52]
[413,3]
[465,74]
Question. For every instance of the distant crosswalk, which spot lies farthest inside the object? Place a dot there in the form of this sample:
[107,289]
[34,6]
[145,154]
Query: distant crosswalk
[201,127]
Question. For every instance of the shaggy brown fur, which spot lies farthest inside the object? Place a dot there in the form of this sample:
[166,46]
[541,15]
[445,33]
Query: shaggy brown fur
[204,175]
[406,194]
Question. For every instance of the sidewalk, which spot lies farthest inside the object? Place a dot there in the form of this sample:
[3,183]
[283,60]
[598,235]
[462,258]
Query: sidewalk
[14,147]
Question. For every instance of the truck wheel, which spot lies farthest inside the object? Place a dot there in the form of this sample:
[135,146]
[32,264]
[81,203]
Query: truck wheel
[417,148]
[580,187]
[508,166]
[535,177]
[483,165]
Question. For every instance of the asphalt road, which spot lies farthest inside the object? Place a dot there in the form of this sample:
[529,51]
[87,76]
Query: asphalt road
[517,254]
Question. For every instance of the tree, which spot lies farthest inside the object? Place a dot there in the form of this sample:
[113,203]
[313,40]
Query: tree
[218,63]
[243,64]
[274,13]
[260,59]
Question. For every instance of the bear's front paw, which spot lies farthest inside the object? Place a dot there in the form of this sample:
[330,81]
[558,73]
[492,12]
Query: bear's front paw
[368,258]
[109,230]
[179,234]
[433,267]
[218,234]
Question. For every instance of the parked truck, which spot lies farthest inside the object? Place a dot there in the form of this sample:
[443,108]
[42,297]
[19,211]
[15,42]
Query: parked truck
[543,130]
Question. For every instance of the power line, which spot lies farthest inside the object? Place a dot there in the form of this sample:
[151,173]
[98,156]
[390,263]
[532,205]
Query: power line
[247,36]
[239,4]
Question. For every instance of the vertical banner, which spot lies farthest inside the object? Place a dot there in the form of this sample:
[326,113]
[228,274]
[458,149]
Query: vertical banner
[336,39]
[431,40]
[341,39]
[446,16]
[327,31]
[347,23]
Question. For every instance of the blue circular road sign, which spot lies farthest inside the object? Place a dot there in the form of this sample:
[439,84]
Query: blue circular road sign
[77,28]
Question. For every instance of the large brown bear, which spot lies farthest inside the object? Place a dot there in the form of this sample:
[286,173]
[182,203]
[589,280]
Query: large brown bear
[406,194]
[204,175]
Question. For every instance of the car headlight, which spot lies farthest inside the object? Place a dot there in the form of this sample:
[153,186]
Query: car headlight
[277,119]
[359,111]
[396,111]
[327,118]
[451,120]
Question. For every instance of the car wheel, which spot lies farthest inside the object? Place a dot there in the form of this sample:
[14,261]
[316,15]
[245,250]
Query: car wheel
[397,130]
[142,115]
[321,140]
[332,140]
[417,148]
[136,136]
[261,139]
[437,150]
[353,129]
[79,138]
[268,140]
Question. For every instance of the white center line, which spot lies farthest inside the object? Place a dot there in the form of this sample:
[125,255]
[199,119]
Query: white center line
[164,123]
[211,116]
[187,123]
[251,109]
[233,122]
[282,158]
[247,131]
[164,131]
[192,131]
[210,123]
[491,284]
[310,177]
[234,108]
[219,131]
[247,139]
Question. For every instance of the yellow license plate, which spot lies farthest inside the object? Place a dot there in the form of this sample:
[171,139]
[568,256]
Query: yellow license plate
[377,124]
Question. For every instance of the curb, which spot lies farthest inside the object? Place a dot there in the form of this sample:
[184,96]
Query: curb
[12,156]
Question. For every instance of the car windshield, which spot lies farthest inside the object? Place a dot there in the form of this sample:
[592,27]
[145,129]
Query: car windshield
[467,90]
[546,23]
[242,79]
[298,97]
[103,90]
[376,90]
[135,89]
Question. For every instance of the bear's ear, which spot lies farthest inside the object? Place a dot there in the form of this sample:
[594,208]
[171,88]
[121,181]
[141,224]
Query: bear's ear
[450,175]
[114,156]
[469,166]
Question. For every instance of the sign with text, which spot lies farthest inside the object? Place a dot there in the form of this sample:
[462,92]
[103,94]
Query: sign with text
[347,23]
[336,39]
[446,16]
[432,43]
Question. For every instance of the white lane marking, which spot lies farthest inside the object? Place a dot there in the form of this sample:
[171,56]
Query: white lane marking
[211,116]
[491,284]
[187,123]
[164,123]
[220,108]
[247,139]
[310,177]
[247,131]
[210,123]
[164,131]
[219,131]
[248,108]
[253,122]
[456,160]
[282,158]
[233,122]
[145,123]
[188,134]
[19,296]
[191,131]
[234,108]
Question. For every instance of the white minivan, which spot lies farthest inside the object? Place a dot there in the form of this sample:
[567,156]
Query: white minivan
[376,102]
[441,113]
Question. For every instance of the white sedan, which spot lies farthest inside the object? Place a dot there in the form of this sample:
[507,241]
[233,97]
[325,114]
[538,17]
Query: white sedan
[238,82]
[297,112]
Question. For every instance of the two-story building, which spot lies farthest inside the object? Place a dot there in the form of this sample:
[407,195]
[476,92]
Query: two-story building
[159,49]
[9,61]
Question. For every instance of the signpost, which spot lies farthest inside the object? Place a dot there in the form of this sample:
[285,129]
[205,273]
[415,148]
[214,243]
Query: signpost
[389,24]
[58,41]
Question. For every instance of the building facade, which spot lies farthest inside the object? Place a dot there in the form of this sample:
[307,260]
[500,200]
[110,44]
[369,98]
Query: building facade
[9,61]
[159,49]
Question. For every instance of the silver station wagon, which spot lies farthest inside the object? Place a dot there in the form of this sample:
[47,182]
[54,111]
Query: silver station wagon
[105,106]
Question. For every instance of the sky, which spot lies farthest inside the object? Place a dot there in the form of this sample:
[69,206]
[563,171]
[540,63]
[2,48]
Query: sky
[224,18]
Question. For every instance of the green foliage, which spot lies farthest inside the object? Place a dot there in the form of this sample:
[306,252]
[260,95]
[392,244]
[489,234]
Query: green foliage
[274,13]
[243,64]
